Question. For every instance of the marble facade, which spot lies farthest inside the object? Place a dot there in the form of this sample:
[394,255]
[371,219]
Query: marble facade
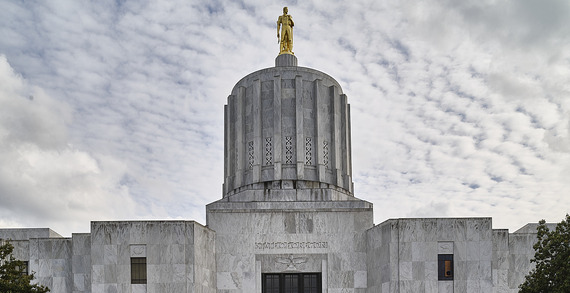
[338,241]
[180,257]
[287,207]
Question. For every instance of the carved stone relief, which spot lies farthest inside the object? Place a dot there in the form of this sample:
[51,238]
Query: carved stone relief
[268,151]
[326,153]
[276,263]
[138,250]
[250,154]
[308,151]
[291,263]
[288,150]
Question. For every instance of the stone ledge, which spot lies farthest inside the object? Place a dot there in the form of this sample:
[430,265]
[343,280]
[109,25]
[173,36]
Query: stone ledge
[323,206]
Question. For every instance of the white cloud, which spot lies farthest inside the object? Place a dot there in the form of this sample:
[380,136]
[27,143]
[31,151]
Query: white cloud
[458,108]
[43,179]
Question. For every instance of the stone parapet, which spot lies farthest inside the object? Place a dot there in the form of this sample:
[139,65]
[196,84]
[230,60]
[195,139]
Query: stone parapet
[324,206]
[27,233]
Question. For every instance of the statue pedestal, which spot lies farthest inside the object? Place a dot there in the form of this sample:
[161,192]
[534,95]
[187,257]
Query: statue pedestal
[285,60]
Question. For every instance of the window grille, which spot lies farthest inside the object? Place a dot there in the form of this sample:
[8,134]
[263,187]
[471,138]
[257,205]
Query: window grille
[138,270]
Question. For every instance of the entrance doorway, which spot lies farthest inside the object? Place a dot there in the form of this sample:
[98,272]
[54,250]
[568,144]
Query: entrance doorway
[291,283]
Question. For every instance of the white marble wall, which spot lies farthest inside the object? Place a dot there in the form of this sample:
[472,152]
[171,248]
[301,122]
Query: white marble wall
[268,237]
[380,258]
[335,238]
[500,260]
[176,251]
[47,253]
[520,252]
[50,259]
[204,263]
[21,249]
[81,262]
[411,247]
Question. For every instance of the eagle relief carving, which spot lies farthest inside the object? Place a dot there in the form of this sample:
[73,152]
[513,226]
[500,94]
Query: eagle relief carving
[291,262]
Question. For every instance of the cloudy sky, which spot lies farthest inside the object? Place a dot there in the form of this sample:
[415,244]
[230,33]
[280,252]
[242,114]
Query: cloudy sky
[113,110]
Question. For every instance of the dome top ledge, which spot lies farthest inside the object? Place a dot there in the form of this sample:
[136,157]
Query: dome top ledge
[286,72]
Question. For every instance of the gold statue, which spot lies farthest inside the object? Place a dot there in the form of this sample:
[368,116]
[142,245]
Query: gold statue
[286,40]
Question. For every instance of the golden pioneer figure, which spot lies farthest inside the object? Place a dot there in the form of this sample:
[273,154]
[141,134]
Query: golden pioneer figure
[286,40]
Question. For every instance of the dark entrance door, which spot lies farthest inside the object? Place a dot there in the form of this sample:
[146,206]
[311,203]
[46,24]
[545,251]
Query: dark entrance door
[291,283]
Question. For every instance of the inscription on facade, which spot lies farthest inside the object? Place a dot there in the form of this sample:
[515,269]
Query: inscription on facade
[290,245]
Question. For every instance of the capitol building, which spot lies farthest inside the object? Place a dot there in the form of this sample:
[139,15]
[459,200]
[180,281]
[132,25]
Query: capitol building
[287,220]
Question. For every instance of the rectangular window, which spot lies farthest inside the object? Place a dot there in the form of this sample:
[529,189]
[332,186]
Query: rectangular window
[311,283]
[138,270]
[271,283]
[23,268]
[291,283]
[445,267]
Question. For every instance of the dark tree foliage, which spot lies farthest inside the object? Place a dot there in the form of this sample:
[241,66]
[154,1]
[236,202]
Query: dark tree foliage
[12,277]
[552,258]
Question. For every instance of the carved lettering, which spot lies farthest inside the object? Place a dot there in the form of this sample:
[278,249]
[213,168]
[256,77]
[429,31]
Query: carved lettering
[290,245]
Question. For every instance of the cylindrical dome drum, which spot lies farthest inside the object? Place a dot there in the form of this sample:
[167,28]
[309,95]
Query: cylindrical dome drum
[287,127]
